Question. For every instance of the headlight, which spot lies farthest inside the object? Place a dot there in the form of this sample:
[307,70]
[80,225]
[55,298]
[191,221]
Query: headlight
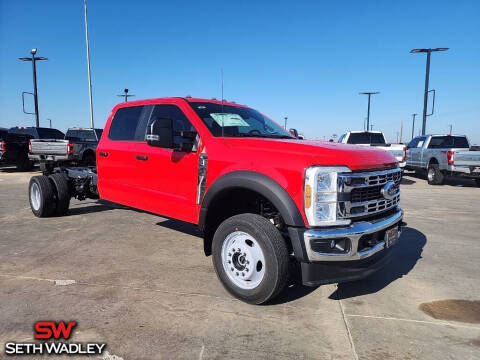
[320,195]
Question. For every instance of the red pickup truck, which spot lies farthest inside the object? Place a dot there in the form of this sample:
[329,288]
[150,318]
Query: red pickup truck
[262,198]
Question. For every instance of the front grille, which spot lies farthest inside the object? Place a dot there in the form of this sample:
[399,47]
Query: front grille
[365,194]
[360,194]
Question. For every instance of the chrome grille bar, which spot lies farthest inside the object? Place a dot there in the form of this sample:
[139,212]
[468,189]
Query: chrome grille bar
[368,183]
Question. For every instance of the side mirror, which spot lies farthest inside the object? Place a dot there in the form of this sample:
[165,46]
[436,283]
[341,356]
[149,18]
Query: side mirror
[160,133]
[294,132]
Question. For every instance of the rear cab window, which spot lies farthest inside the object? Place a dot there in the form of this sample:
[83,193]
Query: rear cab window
[366,138]
[45,133]
[442,142]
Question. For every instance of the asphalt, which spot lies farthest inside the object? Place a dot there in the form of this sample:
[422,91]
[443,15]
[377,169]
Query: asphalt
[141,284]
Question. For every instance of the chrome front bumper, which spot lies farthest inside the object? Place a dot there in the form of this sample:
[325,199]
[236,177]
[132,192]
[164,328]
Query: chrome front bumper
[353,233]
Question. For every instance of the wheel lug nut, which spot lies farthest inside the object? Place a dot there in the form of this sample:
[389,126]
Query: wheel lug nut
[229,262]
[246,269]
[243,274]
[229,254]
[231,269]
[248,262]
[237,273]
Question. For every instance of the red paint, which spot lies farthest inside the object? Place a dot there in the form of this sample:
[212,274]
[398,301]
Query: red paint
[166,183]
[48,329]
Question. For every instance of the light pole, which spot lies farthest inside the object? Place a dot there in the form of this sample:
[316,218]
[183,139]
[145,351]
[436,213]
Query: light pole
[369,93]
[34,59]
[88,64]
[285,118]
[413,123]
[427,79]
[125,95]
[451,126]
[50,120]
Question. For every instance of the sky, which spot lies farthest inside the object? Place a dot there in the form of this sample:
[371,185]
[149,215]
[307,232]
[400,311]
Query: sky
[306,60]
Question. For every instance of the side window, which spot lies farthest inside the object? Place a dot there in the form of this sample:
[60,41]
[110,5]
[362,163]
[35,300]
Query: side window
[89,135]
[413,143]
[129,122]
[180,121]
[421,140]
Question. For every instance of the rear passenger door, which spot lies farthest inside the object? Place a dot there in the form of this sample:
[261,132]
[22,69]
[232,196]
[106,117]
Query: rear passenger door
[117,163]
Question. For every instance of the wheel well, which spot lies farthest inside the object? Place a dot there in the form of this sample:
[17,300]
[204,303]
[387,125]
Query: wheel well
[88,152]
[236,201]
[433,161]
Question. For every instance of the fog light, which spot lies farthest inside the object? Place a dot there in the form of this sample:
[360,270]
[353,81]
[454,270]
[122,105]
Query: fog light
[331,246]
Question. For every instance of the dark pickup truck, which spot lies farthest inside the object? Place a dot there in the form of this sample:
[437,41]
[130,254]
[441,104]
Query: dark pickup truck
[78,147]
[15,145]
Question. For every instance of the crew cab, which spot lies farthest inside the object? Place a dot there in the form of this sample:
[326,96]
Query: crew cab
[376,139]
[441,155]
[14,147]
[78,146]
[262,198]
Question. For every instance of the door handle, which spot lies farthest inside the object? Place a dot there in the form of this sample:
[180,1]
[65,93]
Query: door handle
[142,157]
[104,154]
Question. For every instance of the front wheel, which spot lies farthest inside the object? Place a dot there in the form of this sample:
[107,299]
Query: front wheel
[250,258]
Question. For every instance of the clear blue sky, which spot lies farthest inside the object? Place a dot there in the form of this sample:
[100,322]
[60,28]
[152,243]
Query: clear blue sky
[303,59]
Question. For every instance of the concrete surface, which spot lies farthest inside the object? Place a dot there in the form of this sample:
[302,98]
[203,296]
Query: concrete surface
[141,284]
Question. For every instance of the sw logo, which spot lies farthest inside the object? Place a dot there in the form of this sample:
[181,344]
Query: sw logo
[51,330]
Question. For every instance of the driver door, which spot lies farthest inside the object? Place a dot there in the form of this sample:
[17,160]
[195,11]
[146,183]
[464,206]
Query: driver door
[168,177]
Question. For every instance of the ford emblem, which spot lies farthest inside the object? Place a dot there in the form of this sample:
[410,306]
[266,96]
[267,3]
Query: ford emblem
[389,190]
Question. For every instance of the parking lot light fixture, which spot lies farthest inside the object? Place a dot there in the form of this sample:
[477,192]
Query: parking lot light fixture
[427,79]
[34,59]
[369,93]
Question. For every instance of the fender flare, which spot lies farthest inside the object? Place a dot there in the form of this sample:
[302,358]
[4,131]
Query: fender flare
[259,183]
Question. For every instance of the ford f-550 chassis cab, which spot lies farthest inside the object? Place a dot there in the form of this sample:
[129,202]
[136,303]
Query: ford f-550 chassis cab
[262,198]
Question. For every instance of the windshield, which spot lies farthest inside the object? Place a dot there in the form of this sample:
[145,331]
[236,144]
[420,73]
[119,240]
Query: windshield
[366,138]
[236,121]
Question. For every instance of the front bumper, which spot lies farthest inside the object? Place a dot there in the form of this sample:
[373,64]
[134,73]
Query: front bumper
[357,260]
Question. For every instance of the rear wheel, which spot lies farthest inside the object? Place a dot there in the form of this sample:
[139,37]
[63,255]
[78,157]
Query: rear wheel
[61,192]
[41,196]
[250,258]
[434,175]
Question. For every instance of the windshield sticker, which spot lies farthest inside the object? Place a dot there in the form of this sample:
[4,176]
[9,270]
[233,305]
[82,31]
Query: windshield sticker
[226,119]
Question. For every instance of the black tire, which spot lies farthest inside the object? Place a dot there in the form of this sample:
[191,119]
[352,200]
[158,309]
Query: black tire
[274,250]
[41,188]
[434,175]
[89,159]
[61,192]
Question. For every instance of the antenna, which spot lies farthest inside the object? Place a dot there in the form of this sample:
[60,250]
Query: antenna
[223,115]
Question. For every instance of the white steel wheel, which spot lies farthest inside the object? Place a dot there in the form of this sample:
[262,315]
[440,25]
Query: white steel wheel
[431,174]
[35,196]
[250,258]
[243,260]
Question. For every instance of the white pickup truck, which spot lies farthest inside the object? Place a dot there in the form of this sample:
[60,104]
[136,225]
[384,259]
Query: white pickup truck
[376,139]
[440,155]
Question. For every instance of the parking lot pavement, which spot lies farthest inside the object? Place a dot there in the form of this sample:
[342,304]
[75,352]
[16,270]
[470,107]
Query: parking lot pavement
[141,284]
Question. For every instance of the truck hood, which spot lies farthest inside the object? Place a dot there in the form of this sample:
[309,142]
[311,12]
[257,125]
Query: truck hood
[312,152]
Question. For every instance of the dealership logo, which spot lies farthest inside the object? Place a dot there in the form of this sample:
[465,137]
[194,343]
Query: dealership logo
[54,331]
[389,190]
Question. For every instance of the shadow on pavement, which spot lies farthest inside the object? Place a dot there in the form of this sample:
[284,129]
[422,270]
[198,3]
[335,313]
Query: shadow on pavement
[177,225]
[406,181]
[448,180]
[408,251]
[294,289]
